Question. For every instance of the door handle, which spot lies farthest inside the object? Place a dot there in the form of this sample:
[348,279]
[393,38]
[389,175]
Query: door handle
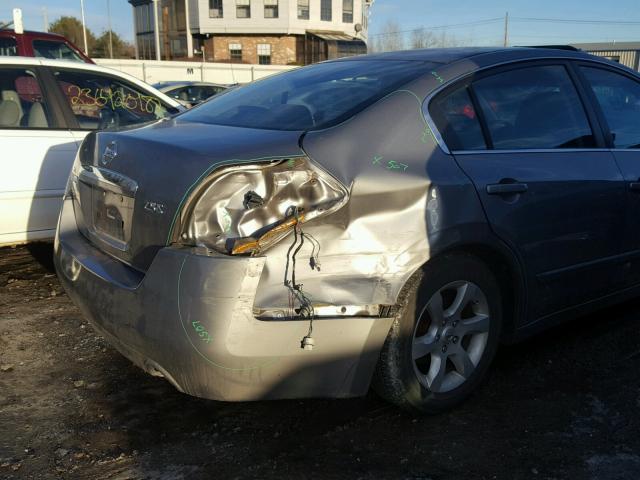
[635,186]
[507,188]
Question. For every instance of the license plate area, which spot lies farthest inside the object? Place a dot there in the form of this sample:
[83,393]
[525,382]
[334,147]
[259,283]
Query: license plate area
[112,215]
[109,211]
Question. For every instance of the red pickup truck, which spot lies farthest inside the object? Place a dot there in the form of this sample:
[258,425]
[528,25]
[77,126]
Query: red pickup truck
[39,44]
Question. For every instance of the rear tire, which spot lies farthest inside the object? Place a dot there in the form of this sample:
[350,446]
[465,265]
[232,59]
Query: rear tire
[444,336]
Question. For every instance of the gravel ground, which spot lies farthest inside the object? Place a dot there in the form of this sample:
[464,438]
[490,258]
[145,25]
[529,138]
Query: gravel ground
[563,405]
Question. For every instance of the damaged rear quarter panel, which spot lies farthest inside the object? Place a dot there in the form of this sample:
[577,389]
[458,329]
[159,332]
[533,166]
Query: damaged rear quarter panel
[404,192]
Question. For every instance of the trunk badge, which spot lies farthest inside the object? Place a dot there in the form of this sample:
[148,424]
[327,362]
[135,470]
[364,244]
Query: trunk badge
[155,207]
[110,152]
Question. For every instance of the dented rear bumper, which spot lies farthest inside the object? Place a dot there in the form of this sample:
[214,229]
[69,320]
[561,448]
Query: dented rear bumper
[190,319]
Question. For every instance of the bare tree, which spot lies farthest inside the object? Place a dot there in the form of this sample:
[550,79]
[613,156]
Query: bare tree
[447,40]
[393,38]
[390,38]
[421,38]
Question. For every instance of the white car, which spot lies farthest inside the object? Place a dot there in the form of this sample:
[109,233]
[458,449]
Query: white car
[46,109]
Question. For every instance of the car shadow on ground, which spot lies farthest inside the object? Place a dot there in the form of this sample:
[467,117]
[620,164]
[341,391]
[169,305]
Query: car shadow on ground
[42,252]
[561,404]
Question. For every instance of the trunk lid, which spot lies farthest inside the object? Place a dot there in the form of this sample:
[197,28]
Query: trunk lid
[132,184]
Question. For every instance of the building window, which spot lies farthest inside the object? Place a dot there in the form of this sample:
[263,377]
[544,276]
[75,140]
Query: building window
[215,8]
[325,10]
[243,8]
[303,9]
[347,11]
[270,8]
[264,54]
[235,52]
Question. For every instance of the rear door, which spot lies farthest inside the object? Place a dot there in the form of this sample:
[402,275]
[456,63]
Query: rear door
[617,96]
[549,188]
[37,154]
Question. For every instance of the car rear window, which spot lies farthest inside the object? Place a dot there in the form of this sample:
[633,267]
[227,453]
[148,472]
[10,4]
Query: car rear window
[55,50]
[8,47]
[308,98]
[457,121]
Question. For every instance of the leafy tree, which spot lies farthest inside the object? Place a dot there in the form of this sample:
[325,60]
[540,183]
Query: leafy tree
[71,28]
[121,48]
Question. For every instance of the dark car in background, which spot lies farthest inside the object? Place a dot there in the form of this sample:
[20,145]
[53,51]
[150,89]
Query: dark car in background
[39,44]
[190,94]
[381,220]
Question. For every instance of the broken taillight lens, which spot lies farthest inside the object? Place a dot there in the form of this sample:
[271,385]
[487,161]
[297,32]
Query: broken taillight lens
[244,209]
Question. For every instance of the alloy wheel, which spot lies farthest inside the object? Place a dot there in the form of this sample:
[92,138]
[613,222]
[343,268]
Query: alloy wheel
[450,336]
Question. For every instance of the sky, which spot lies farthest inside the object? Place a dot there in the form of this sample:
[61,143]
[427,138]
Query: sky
[410,14]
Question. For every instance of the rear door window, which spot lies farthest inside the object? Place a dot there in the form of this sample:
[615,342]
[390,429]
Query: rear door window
[55,50]
[533,108]
[457,121]
[8,47]
[22,105]
[100,101]
[619,99]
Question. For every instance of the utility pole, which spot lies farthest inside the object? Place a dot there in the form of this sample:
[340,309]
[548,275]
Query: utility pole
[84,28]
[45,18]
[188,29]
[156,28]
[506,29]
[110,33]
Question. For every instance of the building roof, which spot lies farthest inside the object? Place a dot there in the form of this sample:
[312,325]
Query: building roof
[607,46]
[330,35]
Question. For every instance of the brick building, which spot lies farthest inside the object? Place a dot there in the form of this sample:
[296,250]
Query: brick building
[279,32]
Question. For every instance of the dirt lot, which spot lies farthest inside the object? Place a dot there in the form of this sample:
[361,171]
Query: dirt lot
[564,405]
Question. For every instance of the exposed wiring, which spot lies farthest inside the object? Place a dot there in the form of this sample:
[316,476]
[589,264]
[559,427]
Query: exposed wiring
[296,293]
[314,259]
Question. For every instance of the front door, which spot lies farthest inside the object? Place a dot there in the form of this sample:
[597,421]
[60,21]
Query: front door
[617,94]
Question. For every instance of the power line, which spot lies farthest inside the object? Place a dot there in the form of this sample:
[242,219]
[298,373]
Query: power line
[517,19]
[570,20]
[439,27]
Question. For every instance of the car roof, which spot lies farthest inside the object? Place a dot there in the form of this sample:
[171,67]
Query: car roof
[91,67]
[6,32]
[450,55]
[8,60]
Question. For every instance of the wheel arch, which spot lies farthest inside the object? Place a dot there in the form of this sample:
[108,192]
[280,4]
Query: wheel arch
[504,265]
[508,275]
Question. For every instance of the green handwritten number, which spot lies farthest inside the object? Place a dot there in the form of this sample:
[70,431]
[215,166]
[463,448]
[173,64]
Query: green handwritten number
[427,135]
[201,331]
[393,165]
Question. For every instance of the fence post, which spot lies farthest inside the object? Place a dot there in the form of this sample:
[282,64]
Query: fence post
[252,73]
[144,72]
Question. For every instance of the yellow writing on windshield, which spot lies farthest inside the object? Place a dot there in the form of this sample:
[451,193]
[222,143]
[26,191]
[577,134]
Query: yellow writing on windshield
[114,99]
